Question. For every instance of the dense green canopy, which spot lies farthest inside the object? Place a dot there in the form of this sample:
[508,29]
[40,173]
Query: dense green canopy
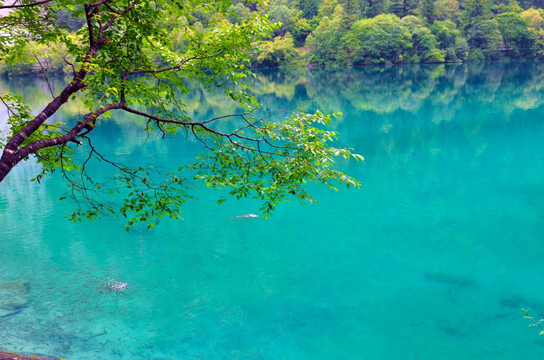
[328,32]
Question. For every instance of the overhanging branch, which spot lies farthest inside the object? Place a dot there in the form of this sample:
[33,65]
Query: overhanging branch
[18,4]
[175,67]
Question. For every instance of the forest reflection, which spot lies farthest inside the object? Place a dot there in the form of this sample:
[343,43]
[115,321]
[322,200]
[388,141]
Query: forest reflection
[388,89]
[402,104]
[398,108]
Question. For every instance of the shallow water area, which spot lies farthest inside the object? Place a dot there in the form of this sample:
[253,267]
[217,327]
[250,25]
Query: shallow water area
[432,259]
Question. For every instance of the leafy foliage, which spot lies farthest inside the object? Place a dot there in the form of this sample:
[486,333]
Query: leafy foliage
[140,57]
[274,53]
[271,172]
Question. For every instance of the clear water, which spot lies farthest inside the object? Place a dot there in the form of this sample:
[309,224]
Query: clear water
[432,259]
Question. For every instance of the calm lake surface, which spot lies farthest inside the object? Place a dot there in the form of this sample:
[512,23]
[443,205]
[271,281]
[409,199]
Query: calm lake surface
[432,259]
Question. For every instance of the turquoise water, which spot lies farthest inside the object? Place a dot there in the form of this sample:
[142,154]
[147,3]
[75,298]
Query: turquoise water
[432,259]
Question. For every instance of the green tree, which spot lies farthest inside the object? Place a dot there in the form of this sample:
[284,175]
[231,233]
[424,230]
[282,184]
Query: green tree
[484,40]
[326,8]
[375,7]
[424,45]
[275,53]
[397,7]
[450,40]
[427,10]
[239,12]
[281,14]
[353,12]
[326,42]
[533,19]
[378,40]
[309,8]
[475,11]
[402,8]
[300,29]
[447,10]
[515,35]
[125,61]
[535,23]
[509,6]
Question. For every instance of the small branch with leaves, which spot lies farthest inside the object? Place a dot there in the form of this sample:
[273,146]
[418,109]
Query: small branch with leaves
[536,323]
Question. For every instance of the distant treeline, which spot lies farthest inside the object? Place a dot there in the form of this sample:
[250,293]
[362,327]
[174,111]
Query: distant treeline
[358,32]
[363,32]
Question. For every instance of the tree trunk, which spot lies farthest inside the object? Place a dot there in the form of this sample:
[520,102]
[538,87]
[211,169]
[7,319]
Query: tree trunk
[5,167]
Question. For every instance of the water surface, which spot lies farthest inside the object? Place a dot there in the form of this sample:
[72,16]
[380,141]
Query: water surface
[432,259]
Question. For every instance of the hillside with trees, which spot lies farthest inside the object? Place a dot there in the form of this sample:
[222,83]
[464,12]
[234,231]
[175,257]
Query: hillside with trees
[360,32]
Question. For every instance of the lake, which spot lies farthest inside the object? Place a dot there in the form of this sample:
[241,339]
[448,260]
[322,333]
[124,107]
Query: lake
[432,258]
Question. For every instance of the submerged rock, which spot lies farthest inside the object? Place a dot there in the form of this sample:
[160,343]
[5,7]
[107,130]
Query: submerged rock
[248,216]
[115,285]
[14,296]
[448,279]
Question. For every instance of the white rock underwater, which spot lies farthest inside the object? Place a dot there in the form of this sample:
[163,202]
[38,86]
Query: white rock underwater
[115,285]
[248,216]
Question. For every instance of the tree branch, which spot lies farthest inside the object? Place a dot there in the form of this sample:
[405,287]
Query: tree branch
[11,154]
[88,121]
[175,67]
[14,5]
[229,136]
[45,76]
[7,106]
[117,14]
[98,3]
[70,64]
[89,14]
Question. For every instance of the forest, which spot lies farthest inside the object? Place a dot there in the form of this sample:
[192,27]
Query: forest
[327,33]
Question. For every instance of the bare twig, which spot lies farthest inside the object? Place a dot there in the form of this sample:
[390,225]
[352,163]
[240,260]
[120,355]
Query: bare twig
[45,76]
[15,5]
[161,129]
[98,3]
[71,64]
[175,67]
[199,139]
[112,19]
[7,106]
